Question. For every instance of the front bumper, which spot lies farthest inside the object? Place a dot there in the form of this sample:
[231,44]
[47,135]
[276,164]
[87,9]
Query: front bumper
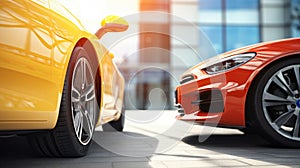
[214,99]
[198,105]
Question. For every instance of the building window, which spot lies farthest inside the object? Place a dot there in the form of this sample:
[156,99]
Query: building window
[214,33]
[230,24]
[210,11]
[242,12]
[240,36]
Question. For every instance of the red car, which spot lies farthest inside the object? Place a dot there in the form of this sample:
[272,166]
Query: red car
[252,88]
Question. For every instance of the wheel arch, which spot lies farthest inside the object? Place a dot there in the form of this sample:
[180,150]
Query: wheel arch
[254,81]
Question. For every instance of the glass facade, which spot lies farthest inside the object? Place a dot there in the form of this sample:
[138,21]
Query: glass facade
[239,12]
[230,24]
[233,34]
[214,33]
[235,23]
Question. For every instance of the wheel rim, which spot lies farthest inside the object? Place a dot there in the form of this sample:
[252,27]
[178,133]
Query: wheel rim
[281,102]
[83,101]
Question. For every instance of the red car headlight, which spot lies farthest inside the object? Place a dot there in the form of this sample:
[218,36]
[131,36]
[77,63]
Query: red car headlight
[228,63]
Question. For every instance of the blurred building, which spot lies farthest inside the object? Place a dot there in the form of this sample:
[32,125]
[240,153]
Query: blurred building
[226,24]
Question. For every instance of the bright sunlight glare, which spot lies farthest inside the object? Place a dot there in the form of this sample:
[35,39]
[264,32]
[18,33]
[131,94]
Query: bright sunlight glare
[91,12]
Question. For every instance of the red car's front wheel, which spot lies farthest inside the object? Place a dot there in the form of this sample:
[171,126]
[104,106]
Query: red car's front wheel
[276,103]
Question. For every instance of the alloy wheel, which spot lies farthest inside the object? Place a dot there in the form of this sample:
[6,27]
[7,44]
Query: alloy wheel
[83,101]
[281,102]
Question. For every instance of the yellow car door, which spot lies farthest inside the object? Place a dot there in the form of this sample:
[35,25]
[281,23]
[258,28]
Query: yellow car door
[25,64]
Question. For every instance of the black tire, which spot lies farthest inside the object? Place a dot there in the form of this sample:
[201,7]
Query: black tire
[117,125]
[272,108]
[63,140]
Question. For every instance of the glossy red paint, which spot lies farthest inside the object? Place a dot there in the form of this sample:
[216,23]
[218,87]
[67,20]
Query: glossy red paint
[234,84]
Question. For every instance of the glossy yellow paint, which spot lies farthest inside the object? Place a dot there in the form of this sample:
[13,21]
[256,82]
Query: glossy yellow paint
[112,19]
[37,40]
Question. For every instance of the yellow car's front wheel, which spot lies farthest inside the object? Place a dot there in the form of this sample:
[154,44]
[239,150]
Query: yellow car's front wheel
[78,111]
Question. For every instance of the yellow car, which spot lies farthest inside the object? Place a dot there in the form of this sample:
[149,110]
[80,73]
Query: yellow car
[57,81]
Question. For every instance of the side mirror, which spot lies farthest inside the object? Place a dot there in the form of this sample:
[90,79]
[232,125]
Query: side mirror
[112,24]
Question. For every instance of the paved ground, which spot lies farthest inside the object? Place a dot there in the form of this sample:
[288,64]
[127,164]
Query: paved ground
[154,144]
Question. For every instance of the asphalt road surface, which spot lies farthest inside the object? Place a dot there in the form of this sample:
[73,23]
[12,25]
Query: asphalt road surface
[159,141]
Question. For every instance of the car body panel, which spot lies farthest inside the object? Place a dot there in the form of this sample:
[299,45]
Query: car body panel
[37,40]
[234,84]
